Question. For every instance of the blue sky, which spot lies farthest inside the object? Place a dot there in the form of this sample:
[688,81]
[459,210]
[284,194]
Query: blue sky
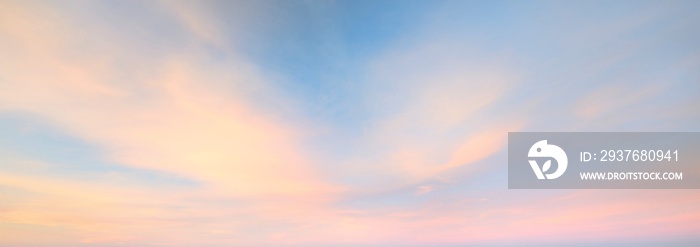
[331,123]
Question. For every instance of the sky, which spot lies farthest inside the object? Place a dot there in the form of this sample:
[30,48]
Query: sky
[331,123]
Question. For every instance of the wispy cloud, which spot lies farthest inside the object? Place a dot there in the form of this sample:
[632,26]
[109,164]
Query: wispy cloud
[200,141]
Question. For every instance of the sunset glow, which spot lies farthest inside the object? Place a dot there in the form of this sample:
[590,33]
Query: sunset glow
[331,123]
